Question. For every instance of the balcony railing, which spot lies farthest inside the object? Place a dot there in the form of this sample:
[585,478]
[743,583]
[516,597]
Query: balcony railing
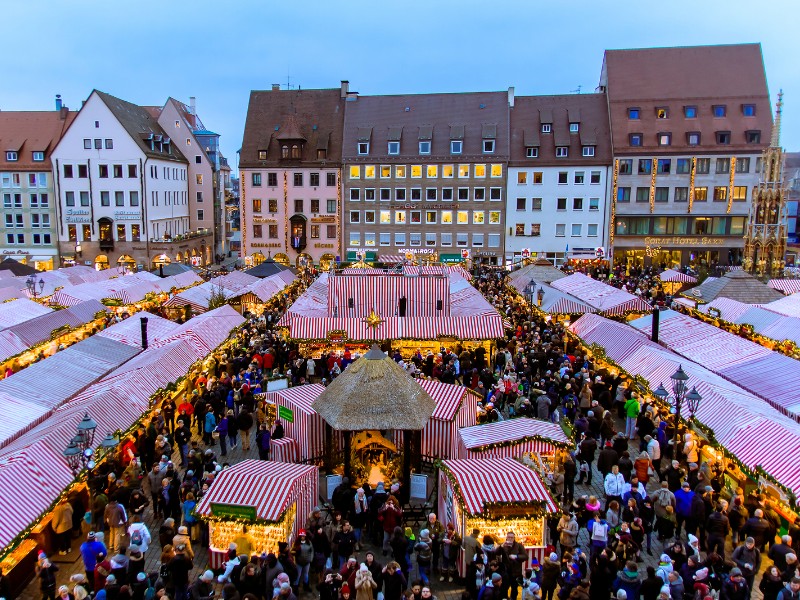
[182,237]
[298,243]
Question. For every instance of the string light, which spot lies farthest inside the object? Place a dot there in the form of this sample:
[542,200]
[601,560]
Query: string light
[653,169]
[264,536]
[692,172]
[730,183]
[243,213]
[613,208]
[286,210]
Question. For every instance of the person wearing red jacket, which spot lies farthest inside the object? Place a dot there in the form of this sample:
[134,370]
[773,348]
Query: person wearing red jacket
[391,516]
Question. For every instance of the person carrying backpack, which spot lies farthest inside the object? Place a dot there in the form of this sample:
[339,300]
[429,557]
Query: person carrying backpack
[598,534]
[139,534]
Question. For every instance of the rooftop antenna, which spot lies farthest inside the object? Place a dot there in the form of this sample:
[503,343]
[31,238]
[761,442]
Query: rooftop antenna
[577,91]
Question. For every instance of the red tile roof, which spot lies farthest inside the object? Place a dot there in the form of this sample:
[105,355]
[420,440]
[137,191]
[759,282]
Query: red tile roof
[28,132]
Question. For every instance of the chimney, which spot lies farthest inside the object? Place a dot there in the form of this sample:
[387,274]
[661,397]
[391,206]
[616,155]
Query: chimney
[654,326]
[345,89]
[143,322]
[63,112]
[58,102]
[193,105]
[276,87]
[511,96]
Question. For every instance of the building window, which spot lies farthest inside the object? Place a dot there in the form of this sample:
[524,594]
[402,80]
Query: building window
[447,194]
[723,165]
[272,179]
[521,203]
[720,193]
[463,194]
[561,229]
[561,204]
[752,137]
[393,148]
[633,114]
[198,179]
[587,151]
[594,178]
[682,166]
[488,146]
[272,232]
[635,139]
[536,204]
[576,230]
[532,152]
[562,151]
[432,172]
[355,239]
[399,239]
[642,194]
[723,137]
[67,171]
[749,110]
[462,239]
[477,240]
[664,139]
[690,112]
[256,178]
[430,194]
[626,166]
[416,194]
[574,127]
[681,194]
[69,198]
[105,199]
[369,172]
[355,216]
[385,239]
[519,229]
[425,147]
[363,148]
[577,204]
[262,155]
[495,194]
[645,166]
[119,198]
[297,180]
[315,232]
[272,205]
[416,171]
[594,203]
[742,165]
[480,171]
[701,194]
[662,194]
[430,217]
[84,198]
[623,194]
[739,193]
[257,205]
[719,110]
[496,171]
[355,172]
[563,177]
[703,166]
[314,206]
[103,171]
[462,217]
[313,179]
[579,177]
[702,225]
[298,205]
[664,165]
[258,231]
[330,231]
[430,239]
[536,229]
[456,146]
[369,194]
[522,178]
[369,216]
[479,194]
[416,217]
[591,230]
[546,127]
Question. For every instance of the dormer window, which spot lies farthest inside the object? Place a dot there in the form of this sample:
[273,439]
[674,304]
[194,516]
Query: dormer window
[296,151]
[262,155]
[664,139]
[12,156]
[38,156]
[284,151]
[662,113]
[456,146]
[588,151]
[531,152]
[363,148]
[749,110]
[546,128]
[574,127]
[425,147]
[394,148]
[488,146]
[635,139]
[562,151]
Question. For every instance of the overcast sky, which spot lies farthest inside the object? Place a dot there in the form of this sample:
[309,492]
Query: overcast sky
[144,51]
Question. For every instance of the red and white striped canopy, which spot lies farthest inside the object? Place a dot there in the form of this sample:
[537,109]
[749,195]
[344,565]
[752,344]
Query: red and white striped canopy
[270,487]
[787,286]
[390,259]
[674,276]
[605,298]
[486,481]
[521,430]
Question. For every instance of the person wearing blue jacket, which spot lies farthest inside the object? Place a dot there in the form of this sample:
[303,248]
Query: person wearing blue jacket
[683,506]
[209,423]
[89,551]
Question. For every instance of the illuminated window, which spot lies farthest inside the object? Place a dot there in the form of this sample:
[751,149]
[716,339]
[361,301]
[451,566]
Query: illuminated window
[400,217]
[700,194]
[480,171]
[497,171]
[740,193]
[369,172]
[433,171]
[400,172]
[494,217]
[386,217]
[416,172]
[355,172]
[662,113]
[478,217]
[369,216]
[447,171]
[430,217]
[386,171]
[447,217]
[522,178]
[463,171]
[463,217]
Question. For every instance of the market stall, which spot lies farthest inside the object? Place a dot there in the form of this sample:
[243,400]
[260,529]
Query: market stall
[673,280]
[604,298]
[257,504]
[301,422]
[495,496]
[513,439]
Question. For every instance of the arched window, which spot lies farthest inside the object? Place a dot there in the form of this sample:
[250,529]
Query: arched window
[284,151]
[295,151]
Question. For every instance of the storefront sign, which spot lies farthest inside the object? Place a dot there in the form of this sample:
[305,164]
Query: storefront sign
[419,486]
[323,245]
[684,241]
[286,414]
[127,215]
[263,220]
[337,335]
[15,252]
[332,482]
[323,219]
[267,245]
[77,215]
[416,251]
[486,253]
[232,511]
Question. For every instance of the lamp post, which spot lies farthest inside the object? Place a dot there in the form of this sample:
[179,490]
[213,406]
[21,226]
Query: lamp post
[31,284]
[539,296]
[529,291]
[680,394]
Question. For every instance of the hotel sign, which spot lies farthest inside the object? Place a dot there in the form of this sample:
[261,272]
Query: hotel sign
[684,241]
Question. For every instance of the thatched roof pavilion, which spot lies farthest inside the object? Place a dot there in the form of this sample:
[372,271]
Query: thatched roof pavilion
[375,393]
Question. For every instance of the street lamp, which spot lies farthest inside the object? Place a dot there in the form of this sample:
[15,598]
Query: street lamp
[676,400]
[529,291]
[79,452]
[539,296]
[31,284]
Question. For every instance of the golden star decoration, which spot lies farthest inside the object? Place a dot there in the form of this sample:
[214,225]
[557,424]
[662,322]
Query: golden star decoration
[373,319]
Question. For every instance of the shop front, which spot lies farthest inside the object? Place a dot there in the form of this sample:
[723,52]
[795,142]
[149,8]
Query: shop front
[675,251]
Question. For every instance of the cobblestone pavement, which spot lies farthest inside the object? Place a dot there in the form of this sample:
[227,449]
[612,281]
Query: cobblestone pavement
[72,564]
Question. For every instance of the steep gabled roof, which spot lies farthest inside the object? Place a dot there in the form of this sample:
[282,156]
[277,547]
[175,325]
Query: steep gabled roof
[140,123]
[31,131]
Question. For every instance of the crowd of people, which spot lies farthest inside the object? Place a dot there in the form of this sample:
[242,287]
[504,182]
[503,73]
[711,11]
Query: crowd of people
[657,499]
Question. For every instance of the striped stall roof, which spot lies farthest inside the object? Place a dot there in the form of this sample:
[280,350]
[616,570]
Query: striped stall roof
[11,345]
[605,298]
[554,301]
[308,428]
[20,310]
[40,328]
[787,286]
[235,281]
[734,358]
[381,293]
[465,328]
[270,487]
[520,430]
[129,331]
[730,309]
[206,331]
[745,424]
[266,288]
[676,277]
[789,306]
[486,481]
[197,297]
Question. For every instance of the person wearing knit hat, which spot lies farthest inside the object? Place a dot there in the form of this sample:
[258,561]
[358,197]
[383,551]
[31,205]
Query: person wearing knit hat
[345,591]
